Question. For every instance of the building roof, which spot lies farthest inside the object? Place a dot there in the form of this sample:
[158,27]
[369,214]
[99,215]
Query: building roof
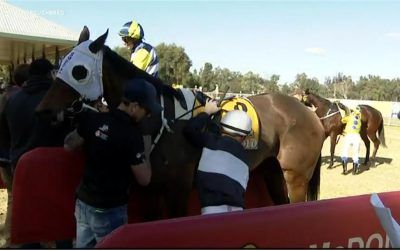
[24,34]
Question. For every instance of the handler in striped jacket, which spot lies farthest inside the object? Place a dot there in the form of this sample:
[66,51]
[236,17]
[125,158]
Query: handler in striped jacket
[223,169]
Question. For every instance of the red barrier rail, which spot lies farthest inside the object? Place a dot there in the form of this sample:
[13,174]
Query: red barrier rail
[344,222]
[44,196]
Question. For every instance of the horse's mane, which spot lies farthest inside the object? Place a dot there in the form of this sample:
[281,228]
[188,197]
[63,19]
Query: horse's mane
[125,68]
[321,99]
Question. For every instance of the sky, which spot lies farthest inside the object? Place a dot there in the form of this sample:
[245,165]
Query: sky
[287,37]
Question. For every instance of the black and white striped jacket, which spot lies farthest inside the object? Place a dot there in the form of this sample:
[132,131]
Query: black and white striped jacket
[223,169]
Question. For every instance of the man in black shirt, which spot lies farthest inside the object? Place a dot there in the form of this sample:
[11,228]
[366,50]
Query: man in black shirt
[114,150]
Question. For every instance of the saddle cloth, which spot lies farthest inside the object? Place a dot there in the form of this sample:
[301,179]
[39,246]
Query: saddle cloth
[242,103]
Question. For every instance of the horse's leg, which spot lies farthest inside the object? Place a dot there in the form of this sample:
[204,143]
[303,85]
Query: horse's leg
[178,191]
[375,140]
[296,180]
[177,199]
[333,137]
[274,181]
[151,203]
[364,137]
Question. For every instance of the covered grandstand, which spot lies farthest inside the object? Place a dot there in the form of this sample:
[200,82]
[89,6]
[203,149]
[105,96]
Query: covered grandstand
[25,36]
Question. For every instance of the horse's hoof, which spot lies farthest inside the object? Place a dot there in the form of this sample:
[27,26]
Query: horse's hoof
[330,166]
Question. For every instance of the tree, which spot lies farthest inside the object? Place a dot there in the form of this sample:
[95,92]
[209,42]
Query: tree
[303,82]
[251,83]
[174,64]
[193,80]
[207,80]
[286,89]
[271,85]
[123,51]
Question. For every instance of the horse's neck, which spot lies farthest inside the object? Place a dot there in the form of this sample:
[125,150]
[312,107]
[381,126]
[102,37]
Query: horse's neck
[321,104]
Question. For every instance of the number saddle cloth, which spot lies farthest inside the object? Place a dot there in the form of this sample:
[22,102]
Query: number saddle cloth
[234,103]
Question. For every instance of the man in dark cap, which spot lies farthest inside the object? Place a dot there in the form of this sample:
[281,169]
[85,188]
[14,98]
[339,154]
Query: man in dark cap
[114,151]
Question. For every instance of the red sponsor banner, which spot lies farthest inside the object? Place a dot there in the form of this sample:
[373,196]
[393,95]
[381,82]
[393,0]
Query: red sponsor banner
[348,222]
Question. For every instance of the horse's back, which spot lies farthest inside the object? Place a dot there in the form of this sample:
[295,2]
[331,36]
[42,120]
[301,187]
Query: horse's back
[371,115]
[285,113]
[288,125]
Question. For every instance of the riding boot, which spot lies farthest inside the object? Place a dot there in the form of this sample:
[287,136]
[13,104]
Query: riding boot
[344,164]
[355,168]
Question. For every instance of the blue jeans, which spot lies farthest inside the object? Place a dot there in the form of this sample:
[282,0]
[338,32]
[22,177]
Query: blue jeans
[93,224]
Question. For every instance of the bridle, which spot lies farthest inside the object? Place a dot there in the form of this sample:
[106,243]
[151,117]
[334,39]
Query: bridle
[328,113]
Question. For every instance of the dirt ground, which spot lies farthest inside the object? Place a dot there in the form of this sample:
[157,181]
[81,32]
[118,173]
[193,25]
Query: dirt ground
[384,177]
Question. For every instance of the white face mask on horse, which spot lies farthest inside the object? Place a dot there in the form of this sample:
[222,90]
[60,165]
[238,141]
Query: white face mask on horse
[82,70]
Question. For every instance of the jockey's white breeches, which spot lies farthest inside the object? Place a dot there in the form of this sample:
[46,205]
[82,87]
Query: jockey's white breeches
[219,209]
[352,140]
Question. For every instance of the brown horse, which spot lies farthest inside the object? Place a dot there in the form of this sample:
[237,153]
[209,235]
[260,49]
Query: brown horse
[329,114]
[289,148]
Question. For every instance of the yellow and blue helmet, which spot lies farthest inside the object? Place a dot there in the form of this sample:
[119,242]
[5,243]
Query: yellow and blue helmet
[132,29]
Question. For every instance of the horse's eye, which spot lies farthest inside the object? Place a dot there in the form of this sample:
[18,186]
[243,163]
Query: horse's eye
[79,72]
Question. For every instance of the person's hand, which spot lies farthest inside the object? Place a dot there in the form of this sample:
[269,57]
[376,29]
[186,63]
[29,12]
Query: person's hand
[211,107]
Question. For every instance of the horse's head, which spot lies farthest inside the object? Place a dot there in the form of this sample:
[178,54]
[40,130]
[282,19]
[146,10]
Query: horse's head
[307,98]
[79,75]
[91,71]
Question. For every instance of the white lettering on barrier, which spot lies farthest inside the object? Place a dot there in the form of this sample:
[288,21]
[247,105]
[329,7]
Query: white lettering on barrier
[374,240]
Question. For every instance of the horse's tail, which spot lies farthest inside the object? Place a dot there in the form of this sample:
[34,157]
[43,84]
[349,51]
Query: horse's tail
[381,132]
[313,185]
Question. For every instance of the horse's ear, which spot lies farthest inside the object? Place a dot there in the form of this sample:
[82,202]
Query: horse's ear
[84,36]
[307,92]
[95,46]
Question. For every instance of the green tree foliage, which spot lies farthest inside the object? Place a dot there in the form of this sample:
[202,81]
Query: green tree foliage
[175,68]
[207,77]
[124,52]
[174,64]
[303,82]
[271,85]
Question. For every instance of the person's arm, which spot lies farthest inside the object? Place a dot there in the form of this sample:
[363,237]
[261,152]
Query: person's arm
[345,119]
[140,166]
[193,131]
[73,141]
[141,59]
[142,173]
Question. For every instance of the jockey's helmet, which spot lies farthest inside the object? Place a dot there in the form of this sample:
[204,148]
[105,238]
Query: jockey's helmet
[236,122]
[133,30]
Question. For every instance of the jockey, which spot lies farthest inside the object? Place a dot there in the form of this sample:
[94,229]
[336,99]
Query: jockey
[352,137]
[143,54]
[223,169]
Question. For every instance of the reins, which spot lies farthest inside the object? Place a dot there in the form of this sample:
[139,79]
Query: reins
[165,123]
[327,115]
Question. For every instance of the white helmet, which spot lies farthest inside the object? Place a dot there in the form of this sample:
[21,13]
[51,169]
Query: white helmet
[236,122]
